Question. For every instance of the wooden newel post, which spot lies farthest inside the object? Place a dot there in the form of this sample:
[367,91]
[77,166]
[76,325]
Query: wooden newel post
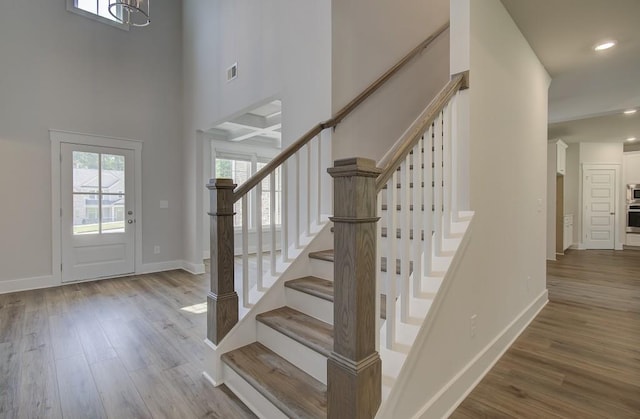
[222,300]
[354,368]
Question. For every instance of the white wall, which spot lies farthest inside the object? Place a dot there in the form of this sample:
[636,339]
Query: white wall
[367,39]
[282,50]
[63,71]
[502,276]
[601,153]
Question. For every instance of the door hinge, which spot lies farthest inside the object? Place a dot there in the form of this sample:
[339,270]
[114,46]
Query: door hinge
[61,267]
[60,157]
[60,212]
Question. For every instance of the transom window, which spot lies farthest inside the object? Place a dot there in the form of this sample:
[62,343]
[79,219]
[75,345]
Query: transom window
[96,10]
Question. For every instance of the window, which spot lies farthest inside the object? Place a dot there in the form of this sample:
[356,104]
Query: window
[98,193]
[240,170]
[96,10]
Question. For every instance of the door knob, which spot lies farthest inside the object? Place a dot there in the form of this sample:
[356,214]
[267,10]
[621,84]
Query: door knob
[130,221]
[130,212]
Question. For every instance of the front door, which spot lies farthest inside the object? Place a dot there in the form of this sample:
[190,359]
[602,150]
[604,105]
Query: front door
[98,214]
[599,203]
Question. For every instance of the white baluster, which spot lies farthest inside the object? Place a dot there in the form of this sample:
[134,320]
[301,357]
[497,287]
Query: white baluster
[405,214]
[417,216]
[378,269]
[446,158]
[308,189]
[392,203]
[245,251]
[297,202]
[427,216]
[284,212]
[437,199]
[319,179]
[272,220]
[258,226]
[454,158]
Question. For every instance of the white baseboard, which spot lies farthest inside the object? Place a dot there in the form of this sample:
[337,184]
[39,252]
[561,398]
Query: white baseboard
[169,265]
[193,268]
[25,284]
[458,388]
[48,281]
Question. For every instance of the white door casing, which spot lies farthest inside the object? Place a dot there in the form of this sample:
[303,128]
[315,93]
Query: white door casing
[599,205]
[98,248]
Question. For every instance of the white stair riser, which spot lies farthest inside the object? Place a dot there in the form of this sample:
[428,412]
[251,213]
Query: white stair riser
[310,305]
[298,354]
[258,404]
[321,269]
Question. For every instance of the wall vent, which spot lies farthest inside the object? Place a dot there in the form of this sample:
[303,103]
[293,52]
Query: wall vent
[232,72]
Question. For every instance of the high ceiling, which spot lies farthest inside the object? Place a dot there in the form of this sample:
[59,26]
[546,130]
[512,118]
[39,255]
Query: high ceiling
[589,90]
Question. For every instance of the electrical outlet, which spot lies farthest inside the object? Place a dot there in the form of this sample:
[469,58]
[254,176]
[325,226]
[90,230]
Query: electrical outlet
[473,325]
[156,250]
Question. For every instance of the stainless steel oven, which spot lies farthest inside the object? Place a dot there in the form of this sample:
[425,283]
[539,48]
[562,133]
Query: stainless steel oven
[633,194]
[633,218]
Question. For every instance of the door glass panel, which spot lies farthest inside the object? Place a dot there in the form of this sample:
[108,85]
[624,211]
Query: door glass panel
[85,214]
[85,172]
[113,213]
[112,173]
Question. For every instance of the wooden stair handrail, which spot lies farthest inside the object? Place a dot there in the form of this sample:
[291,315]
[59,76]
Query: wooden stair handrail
[411,137]
[285,154]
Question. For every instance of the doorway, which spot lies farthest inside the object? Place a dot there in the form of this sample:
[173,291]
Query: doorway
[600,198]
[97,181]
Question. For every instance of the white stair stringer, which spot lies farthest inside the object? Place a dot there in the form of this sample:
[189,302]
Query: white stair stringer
[397,361]
[246,330]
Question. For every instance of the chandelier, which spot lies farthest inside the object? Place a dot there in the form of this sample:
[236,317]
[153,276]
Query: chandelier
[130,12]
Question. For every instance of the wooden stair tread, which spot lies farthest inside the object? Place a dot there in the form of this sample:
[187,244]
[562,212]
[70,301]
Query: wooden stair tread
[289,388]
[309,331]
[312,285]
[322,288]
[326,255]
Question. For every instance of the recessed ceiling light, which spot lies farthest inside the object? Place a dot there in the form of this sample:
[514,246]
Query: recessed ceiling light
[630,111]
[631,139]
[604,45]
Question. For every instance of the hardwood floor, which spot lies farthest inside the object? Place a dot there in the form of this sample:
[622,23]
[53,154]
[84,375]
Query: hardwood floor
[580,358]
[119,348]
[132,348]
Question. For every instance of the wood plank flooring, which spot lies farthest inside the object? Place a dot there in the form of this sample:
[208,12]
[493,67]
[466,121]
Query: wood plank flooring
[580,358]
[132,348]
[119,348]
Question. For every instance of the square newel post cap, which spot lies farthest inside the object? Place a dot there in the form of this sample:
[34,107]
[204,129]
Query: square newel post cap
[354,166]
[221,183]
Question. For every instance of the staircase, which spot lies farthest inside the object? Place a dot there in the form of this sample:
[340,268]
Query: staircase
[326,333]
[286,367]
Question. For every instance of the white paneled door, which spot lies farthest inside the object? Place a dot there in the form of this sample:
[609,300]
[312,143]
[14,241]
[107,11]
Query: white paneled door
[599,206]
[97,212]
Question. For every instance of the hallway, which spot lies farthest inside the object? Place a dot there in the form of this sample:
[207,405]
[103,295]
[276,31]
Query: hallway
[580,358]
